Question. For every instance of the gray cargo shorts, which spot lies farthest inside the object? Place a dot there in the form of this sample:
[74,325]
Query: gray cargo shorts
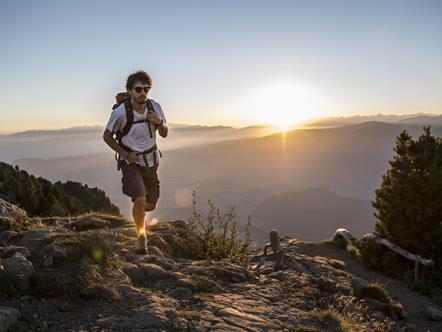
[139,181]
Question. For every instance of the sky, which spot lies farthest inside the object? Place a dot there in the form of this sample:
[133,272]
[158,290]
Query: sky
[226,62]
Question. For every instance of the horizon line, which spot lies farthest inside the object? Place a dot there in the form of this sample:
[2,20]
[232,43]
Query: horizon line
[306,122]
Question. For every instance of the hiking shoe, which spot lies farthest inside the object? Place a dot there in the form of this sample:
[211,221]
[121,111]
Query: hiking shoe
[140,245]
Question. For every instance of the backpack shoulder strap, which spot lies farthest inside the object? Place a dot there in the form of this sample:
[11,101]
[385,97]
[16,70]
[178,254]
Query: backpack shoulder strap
[149,105]
[129,118]
[150,108]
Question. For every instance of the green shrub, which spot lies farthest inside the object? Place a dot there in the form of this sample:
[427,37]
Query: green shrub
[216,236]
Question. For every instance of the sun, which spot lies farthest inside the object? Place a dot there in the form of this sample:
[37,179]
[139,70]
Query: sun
[284,105]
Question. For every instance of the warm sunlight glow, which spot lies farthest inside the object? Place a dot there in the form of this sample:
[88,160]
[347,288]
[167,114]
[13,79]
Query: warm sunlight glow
[149,224]
[284,105]
[183,197]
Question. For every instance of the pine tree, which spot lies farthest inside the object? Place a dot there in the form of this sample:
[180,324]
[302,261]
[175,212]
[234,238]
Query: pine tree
[409,201]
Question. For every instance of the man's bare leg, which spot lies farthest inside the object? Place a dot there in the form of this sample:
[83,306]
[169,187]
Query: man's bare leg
[150,207]
[139,214]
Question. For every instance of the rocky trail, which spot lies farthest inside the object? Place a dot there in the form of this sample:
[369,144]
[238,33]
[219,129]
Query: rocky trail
[82,275]
[416,307]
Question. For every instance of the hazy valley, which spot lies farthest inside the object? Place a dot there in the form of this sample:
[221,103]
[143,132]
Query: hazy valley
[268,177]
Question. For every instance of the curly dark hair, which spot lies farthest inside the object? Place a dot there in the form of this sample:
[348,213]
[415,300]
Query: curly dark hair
[139,76]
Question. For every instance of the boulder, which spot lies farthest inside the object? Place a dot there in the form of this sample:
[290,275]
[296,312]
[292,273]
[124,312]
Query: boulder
[11,250]
[433,313]
[153,273]
[6,237]
[10,210]
[52,254]
[135,274]
[87,223]
[327,285]
[152,250]
[358,285]
[157,241]
[19,268]
[37,238]
[8,317]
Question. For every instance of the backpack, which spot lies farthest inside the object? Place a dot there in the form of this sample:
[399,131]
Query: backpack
[124,97]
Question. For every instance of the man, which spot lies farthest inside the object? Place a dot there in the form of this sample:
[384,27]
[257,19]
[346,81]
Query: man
[138,155]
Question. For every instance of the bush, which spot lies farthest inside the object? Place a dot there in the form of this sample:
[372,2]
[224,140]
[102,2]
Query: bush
[375,291]
[379,258]
[331,321]
[216,236]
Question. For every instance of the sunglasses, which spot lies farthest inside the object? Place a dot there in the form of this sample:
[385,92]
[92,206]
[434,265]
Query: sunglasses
[139,88]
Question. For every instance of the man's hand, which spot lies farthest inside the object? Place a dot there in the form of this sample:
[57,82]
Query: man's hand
[131,157]
[153,117]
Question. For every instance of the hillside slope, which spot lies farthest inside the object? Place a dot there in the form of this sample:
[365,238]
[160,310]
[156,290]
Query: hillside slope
[61,275]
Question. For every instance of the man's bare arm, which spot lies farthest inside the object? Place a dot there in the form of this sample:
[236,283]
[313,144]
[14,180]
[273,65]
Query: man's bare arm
[131,157]
[160,126]
[108,138]
[163,130]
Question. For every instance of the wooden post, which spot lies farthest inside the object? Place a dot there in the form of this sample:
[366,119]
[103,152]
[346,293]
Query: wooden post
[278,251]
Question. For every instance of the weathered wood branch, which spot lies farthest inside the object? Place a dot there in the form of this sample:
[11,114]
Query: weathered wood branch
[342,233]
[397,249]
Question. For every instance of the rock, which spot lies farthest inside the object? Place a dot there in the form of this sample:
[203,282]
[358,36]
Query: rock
[8,317]
[166,263]
[20,269]
[153,315]
[358,285]
[53,254]
[11,250]
[110,287]
[153,250]
[181,293]
[87,223]
[127,292]
[117,277]
[433,313]
[374,305]
[185,282]
[6,223]
[327,285]
[10,210]
[280,275]
[153,273]
[37,238]
[157,241]
[245,320]
[395,311]
[135,274]
[338,264]
[230,272]
[6,237]
[290,262]
[139,321]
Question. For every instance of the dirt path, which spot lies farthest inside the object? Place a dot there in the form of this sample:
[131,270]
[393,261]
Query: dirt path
[412,302]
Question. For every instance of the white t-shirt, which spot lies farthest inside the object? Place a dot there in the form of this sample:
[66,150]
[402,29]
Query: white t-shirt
[138,138]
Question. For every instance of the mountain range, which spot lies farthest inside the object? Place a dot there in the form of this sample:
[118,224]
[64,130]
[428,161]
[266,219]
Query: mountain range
[347,160]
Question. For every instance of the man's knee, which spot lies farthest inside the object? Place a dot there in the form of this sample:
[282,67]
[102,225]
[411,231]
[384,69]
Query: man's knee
[148,206]
[139,203]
